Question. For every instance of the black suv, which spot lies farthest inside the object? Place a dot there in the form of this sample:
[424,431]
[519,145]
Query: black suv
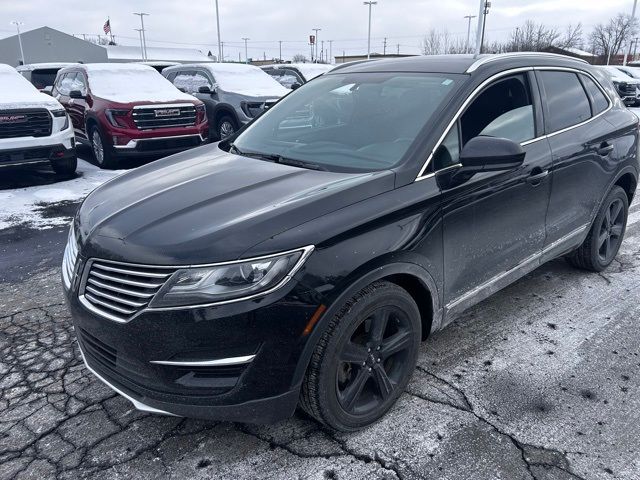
[303,260]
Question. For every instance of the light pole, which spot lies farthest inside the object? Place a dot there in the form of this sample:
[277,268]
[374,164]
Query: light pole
[139,30]
[469,18]
[331,51]
[487,5]
[246,55]
[316,41]
[479,32]
[371,4]
[144,37]
[218,27]
[633,17]
[17,24]
[280,42]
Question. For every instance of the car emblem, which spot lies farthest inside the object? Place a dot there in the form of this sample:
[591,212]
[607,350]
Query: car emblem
[167,112]
[13,118]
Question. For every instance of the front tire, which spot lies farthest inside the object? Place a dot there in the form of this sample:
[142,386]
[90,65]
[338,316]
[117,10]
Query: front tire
[102,152]
[364,359]
[605,237]
[65,166]
[226,127]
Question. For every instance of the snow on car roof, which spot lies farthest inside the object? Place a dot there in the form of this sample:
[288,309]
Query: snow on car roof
[18,92]
[43,66]
[131,82]
[243,79]
[309,70]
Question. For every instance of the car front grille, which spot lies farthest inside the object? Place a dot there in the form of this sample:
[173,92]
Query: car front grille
[25,123]
[164,116]
[627,89]
[120,291]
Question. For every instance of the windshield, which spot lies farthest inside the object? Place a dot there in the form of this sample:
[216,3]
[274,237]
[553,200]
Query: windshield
[350,122]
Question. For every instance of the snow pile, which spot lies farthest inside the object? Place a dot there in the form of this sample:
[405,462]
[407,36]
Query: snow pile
[245,80]
[18,92]
[128,83]
[28,205]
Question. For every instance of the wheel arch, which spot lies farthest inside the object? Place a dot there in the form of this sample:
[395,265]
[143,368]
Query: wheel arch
[417,281]
[224,109]
[628,182]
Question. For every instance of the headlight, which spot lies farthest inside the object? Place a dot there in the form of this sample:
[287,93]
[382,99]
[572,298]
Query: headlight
[59,114]
[230,281]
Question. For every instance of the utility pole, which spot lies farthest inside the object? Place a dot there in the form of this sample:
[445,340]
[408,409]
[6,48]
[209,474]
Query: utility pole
[246,54]
[220,48]
[384,48]
[480,33]
[469,18]
[322,52]
[635,46]
[633,17]
[331,51]
[316,42]
[371,4]
[487,5]
[144,37]
[280,42]
[398,51]
[139,30]
[17,24]
[221,52]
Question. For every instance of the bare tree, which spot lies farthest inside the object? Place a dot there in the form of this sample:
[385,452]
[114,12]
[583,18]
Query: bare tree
[573,37]
[432,42]
[532,37]
[299,58]
[608,39]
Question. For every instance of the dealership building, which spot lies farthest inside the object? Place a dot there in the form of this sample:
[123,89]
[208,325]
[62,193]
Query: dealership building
[46,45]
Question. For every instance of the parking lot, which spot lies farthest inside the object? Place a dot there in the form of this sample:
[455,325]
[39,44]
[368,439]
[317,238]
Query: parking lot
[540,381]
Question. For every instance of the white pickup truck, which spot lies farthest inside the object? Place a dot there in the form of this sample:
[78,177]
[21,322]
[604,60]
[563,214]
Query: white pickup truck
[34,127]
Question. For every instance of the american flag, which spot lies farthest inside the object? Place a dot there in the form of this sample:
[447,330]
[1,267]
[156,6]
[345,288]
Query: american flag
[107,26]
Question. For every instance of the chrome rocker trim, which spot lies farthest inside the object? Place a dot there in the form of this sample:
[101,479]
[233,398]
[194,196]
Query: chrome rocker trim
[221,362]
[132,144]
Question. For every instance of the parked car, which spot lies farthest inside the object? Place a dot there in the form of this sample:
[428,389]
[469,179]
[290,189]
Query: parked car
[233,93]
[42,75]
[34,128]
[291,75]
[288,265]
[633,72]
[627,87]
[124,110]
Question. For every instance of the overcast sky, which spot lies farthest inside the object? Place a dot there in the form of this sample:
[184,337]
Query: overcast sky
[191,23]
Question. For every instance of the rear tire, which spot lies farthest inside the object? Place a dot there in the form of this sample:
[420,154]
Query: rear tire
[605,237]
[65,166]
[102,152]
[364,359]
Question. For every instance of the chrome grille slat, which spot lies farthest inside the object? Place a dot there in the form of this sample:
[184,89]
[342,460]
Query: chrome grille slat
[133,283]
[100,293]
[125,291]
[127,271]
[119,291]
[145,117]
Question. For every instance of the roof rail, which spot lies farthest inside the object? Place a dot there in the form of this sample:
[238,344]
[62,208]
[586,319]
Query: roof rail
[498,56]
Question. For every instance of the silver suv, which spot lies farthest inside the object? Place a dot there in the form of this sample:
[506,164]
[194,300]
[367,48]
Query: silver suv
[233,93]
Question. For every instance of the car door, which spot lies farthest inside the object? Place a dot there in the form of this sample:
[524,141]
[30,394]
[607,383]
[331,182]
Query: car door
[494,223]
[582,144]
[77,107]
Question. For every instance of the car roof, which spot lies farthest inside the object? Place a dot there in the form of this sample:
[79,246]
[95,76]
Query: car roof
[454,63]
[44,66]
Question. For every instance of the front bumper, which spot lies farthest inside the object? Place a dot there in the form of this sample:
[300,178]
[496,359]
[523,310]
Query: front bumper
[173,362]
[32,150]
[160,145]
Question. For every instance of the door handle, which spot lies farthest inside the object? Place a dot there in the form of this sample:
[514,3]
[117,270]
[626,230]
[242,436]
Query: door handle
[605,149]
[537,176]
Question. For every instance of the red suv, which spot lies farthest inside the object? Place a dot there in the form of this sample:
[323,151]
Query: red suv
[129,109]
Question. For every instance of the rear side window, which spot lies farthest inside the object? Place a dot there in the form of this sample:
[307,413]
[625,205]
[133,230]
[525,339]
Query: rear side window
[599,101]
[566,100]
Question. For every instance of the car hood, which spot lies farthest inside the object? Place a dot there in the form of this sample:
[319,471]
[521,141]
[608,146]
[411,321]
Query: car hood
[207,205]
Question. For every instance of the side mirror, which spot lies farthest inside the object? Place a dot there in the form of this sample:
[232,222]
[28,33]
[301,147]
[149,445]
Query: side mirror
[295,86]
[490,154]
[482,154]
[206,90]
[76,94]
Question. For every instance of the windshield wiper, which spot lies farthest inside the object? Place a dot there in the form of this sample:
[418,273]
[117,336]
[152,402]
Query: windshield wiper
[277,159]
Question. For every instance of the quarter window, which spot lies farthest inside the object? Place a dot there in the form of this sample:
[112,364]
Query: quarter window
[567,101]
[599,102]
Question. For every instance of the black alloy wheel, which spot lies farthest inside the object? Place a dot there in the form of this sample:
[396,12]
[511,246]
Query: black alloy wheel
[611,229]
[364,359]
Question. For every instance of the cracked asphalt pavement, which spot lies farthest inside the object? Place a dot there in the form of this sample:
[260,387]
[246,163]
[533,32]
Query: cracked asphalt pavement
[540,381]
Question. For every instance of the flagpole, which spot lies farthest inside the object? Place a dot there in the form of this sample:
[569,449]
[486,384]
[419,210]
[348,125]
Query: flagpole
[110,29]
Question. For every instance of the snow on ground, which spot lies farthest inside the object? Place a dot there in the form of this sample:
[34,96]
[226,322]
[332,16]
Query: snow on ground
[29,205]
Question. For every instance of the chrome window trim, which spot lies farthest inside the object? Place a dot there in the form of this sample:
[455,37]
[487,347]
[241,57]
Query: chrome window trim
[306,252]
[492,58]
[479,88]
